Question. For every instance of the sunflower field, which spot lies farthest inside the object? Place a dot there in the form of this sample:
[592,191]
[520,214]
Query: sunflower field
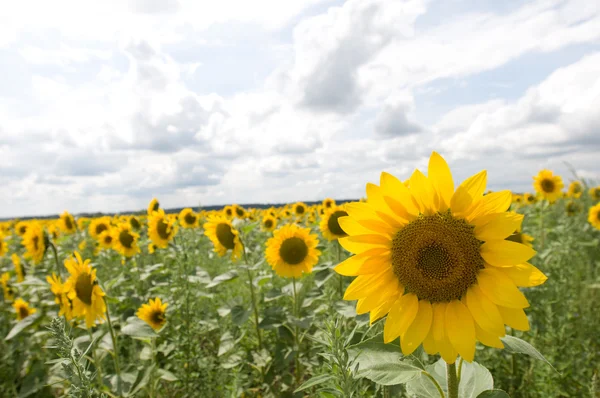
[424,288]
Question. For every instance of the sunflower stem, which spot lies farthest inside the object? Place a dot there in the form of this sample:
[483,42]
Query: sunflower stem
[452,380]
[96,362]
[542,237]
[115,348]
[339,256]
[55,258]
[153,353]
[296,340]
[252,295]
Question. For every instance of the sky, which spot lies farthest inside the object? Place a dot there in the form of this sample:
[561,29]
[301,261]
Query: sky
[104,105]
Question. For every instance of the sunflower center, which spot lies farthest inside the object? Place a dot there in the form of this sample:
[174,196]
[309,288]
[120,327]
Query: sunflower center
[126,239]
[68,222]
[333,223]
[225,236]
[547,185]
[23,229]
[189,219]
[300,210]
[108,239]
[134,223]
[239,212]
[293,250]
[437,257]
[23,312]
[162,228]
[84,288]
[598,216]
[100,228]
[36,241]
[155,206]
[157,317]
[268,223]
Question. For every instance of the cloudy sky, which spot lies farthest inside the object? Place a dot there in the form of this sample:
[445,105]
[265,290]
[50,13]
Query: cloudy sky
[105,104]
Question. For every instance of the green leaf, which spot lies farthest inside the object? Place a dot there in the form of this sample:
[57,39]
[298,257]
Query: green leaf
[227,343]
[21,325]
[493,394]
[518,346]
[475,378]
[137,328]
[313,382]
[239,315]
[166,375]
[226,277]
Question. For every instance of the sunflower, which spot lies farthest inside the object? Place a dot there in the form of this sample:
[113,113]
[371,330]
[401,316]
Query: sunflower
[529,198]
[135,223]
[517,199]
[299,209]
[239,212]
[153,313]
[328,203]
[107,238]
[572,207]
[595,193]
[60,296]
[34,241]
[292,251]
[99,225]
[125,240]
[22,309]
[268,223]
[21,228]
[188,219]
[548,185]
[228,211]
[161,229]
[223,236]
[435,260]
[67,223]
[18,267]
[151,248]
[84,292]
[153,206]
[330,227]
[575,189]
[7,289]
[53,230]
[3,246]
[594,216]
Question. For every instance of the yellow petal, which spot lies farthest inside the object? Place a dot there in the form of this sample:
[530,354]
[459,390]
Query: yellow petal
[384,293]
[429,344]
[500,289]
[375,199]
[400,317]
[362,285]
[497,226]
[503,253]
[484,312]
[515,318]
[495,202]
[441,179]
[487,338]
[475,185]
[394,189]
[382,310]
[423,192]
[461,201]
[461,329]
[352,265]
[525,275]
[377,227]
[418,329]
[361,243]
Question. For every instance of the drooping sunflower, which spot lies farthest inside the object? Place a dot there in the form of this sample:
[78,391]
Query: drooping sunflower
[330,227]
[595,193]
[60,296]
[125,240]
[18,267]
[548,185]
[135,223]
[328,203]
[34,241]
[223,236]
[21,228]
[575,189]
[188,219]
[299,209]
[153,206]
[153,313]
[292,251]
[67,223]
[161,229]
[7,289]
[84,292]
[107,239]
[435,260]
[22,309]
[529,198]
[594,216]
[269,223]
[239,212]
[99,225]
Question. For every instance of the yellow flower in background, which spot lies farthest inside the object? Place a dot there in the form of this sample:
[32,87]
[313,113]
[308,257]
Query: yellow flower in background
[3,246]
[529,198]
[151,248]
[239,212]
[434,259]
[7,289]
[223,236]
[517,199]
[299,209]
[106,239]
[67,223]
[153,206]
[330,227]
[60,296]
[548,185]
[135,223]
[269,223]
[84,292]
[34,241]
[594,216]
[98,225]
[188,219]
[228,212]
[573,207]
[21,228]
[53,230]
[292,251]
[595,193]
[82,223]
[161,229]
[328,203]
[125,240]
[18,267]
[575,189]
[153,313]
[22,309]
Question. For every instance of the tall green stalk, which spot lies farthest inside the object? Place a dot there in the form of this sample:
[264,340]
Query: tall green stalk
[296,339]
[253,296]
[115,349]
[452,380]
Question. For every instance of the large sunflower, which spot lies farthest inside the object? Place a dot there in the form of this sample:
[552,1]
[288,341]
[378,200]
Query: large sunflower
[99,225]
[153,206]
[84,292]
[548,185]
[575,189]
[435,260]
[223,236]
[60,296]
[594,216]
[188,219]
[269,223]
[153,313]
[22,309]
[161,229]
[7,289]
[67,223]
[292,251]
[125,240]
[34,241]
[330,227]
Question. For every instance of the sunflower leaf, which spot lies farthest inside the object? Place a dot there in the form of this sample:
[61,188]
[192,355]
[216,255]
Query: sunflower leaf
[226,277]
[517,346]
[314,381]
[493,394]
[137,328]
[21,325]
